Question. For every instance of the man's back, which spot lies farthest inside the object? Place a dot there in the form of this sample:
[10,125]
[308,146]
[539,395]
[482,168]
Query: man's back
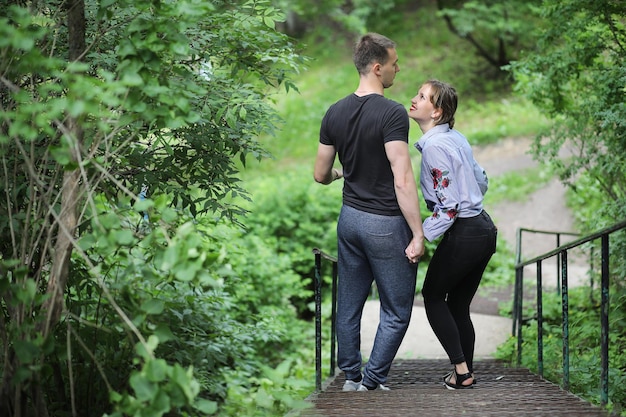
[358,128]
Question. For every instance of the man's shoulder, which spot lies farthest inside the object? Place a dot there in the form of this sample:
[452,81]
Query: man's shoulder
[394,106]
[342,103]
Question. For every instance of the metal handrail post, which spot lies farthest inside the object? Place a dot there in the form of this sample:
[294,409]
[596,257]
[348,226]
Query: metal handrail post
[558,269]
[519,279]
[604,319]
[539,321]
[318,322]
[565,310]
[518,260]
[333,324]
[318,317]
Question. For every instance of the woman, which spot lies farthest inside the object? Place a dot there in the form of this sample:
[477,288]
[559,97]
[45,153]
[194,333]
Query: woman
[453,185]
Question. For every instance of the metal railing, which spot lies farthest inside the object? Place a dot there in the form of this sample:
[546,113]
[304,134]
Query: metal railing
[561,253]
[319,257]
[518,259]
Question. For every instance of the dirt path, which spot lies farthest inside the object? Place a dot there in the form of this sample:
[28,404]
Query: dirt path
[545,210]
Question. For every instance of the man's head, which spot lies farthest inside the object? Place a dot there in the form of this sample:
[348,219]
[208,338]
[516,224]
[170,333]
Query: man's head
[377,53]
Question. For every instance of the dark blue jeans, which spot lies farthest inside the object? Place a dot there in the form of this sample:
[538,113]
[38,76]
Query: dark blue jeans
[452,279]
[371,248]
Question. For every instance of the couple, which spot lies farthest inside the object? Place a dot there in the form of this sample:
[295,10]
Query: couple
[380,232]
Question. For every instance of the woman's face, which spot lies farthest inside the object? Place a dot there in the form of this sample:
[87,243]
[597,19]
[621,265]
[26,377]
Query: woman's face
[421,108]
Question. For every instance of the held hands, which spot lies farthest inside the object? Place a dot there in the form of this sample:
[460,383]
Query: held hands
[415,250]
[336,174]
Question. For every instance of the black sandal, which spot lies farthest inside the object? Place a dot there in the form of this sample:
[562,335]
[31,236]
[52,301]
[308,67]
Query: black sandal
[449,374]
[458,384]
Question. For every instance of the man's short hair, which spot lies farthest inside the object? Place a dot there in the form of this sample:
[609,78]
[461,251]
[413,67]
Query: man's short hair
[371,48]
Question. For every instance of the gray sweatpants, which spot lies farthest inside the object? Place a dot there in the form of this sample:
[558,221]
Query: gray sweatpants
[371,249]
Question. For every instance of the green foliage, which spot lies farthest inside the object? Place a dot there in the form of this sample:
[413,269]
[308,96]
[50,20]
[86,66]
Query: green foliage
[326,18]
[594,212]
[486,122]
[217,331]
[485,114]
[104,310]
[584,336]
[497,30]
[296,215]
[577,78]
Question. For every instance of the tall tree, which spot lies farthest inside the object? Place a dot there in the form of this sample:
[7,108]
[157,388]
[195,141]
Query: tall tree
[497,30]
[101,100]
[577,77]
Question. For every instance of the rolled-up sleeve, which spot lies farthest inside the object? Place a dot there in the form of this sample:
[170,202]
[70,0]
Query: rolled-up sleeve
[443,190]
[481,178]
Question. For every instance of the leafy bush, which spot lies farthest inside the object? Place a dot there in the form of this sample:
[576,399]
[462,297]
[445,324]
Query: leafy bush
[215,301]
[297,215]
[102,311]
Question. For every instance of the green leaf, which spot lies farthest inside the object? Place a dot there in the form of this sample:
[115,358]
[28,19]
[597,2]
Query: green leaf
[26,292]
[264,399]
[184,379]
[156,370]
[153,306]
[146,350]
[205,406]
[62,155]
[164,333]
[123,237]
[26,351]
[145,390]
[132,79]
[187,271]
[161,404]
[142,205]
[269,22]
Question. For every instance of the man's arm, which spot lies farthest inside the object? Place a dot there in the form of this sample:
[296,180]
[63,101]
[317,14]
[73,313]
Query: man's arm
[406,193]
[324,173]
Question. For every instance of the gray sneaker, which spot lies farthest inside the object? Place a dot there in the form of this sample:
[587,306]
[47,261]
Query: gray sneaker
[350,385]
[378,387]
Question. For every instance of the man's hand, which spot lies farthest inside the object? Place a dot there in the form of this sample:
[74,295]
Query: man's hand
[415,250]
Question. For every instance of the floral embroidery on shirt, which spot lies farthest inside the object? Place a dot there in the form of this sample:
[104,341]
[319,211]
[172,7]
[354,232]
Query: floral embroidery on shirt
[437,176]
[441,181]
[452,213]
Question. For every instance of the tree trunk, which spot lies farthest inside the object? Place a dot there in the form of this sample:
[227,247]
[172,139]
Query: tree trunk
[70,196]
[67,220]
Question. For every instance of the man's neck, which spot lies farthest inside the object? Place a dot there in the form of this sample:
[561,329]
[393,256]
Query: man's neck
[367,86]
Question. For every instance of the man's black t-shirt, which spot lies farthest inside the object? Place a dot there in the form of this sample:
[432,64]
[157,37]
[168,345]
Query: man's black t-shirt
[358,128]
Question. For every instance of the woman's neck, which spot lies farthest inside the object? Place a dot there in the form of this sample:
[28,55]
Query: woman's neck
[425,126]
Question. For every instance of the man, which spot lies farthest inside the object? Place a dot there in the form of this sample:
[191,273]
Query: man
[379,231]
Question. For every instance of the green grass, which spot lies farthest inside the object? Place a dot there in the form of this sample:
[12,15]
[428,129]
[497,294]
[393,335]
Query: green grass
[487,112]
[516,186]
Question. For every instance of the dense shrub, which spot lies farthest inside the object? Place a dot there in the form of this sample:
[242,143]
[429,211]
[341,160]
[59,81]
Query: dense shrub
[234,330]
